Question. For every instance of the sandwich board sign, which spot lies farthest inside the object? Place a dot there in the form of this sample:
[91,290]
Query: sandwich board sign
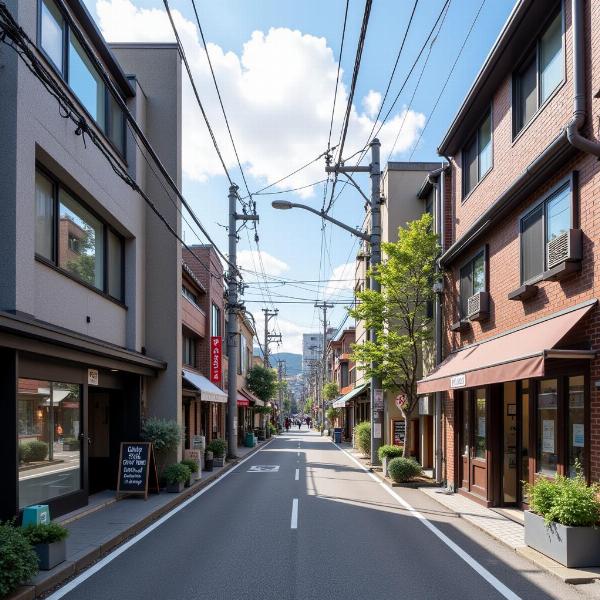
[137,469]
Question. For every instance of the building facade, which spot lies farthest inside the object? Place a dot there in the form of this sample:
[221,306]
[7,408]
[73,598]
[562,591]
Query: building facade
[90,276]
[520,377]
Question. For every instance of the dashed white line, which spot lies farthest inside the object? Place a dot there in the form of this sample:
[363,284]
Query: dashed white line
[294,520]
[297,476]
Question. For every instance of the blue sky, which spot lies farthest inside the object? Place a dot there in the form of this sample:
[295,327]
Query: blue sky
[252,77]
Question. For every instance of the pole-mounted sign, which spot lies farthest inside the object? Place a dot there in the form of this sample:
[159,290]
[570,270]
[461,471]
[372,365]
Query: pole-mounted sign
[216,362]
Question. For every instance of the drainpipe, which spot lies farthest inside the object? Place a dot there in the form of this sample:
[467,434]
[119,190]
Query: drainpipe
[579,110]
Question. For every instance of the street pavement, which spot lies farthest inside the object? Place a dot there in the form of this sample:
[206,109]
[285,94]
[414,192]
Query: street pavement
[300,519]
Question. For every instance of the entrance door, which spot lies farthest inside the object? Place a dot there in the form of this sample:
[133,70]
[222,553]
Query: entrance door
[473,442]
[510,469]
[99,441]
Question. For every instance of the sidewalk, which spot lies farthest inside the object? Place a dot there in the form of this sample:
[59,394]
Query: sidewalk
[105,523]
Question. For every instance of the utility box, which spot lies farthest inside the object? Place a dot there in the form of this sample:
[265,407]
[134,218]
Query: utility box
[37,514]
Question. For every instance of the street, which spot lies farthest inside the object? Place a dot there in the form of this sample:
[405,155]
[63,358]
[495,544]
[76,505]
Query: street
[301,519]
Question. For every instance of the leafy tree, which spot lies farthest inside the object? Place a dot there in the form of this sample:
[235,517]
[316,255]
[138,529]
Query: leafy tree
[399,313]
[262,382]
[308,406]
[330,391]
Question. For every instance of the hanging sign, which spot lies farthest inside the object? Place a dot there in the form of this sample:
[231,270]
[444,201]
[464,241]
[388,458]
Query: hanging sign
[92,376]
[400,400]
[378,399]
[399,429]
[216,345]
[137,469]
[458,381]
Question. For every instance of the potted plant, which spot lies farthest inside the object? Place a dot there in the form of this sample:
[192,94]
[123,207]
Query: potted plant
[194,468]
[562,520]
[17,558]
[48,541]
[386,453]
[71,444]
[176,475]
[362,435]
[218,447]
[403,469]
[165,436]
[208,460]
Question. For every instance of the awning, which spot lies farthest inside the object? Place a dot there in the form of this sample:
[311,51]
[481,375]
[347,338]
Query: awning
[250,397]
[243,401]
[341,402]
[209,392]
[518,354]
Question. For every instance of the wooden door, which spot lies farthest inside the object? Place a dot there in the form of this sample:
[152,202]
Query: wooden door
[473,442]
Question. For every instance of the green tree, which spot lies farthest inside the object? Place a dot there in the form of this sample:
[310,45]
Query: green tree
[331,391]
[262,382]
[399,313]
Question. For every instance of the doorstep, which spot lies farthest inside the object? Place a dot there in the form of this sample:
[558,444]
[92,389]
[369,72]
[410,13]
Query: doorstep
[508,530]
[95,532]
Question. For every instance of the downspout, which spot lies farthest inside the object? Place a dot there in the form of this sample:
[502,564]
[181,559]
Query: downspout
[579,111]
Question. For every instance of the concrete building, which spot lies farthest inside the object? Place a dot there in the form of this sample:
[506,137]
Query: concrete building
[91,278]
[520,233]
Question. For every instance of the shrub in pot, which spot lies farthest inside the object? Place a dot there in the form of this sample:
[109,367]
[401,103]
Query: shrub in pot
[208,460]
[562,519]
[176,475]
[48,541]
[165,436]
[193,466]
[402,469]
[18,561]
[362,435]
[386,453]
[218,447]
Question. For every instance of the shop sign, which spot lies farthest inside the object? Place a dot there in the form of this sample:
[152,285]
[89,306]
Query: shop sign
[377,431]
[216,346]
[399,432]
[92,376]
[458,381]
[378,400]
[137,469]
[548,436]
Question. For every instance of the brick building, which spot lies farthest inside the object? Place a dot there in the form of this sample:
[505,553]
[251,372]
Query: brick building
[520,239]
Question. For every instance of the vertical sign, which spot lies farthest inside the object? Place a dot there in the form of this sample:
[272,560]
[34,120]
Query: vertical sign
[216,345]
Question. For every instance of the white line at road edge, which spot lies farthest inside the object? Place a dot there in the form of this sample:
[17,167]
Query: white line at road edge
[297,476]
[476,566]
[294,521]
[69,587]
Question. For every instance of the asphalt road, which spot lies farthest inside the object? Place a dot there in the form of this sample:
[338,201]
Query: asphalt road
[349,539]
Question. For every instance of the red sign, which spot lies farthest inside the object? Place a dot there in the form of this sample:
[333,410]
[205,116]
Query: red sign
[216,345]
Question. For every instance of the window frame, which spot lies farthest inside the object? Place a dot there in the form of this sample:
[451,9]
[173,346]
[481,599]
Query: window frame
[474,138]
[533,53]
[482,251]
[64,76]
[193,348]
[570,181]
[219,331]
[55,262]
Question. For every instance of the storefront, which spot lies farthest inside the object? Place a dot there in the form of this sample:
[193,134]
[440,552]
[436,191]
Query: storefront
[527,413]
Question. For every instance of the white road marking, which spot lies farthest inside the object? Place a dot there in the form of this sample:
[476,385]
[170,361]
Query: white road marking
[297,453]
[263,469]
[294,521]
[474,564]
[69,587]
[297,476]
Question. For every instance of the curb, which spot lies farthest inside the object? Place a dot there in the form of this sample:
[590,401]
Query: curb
[70,568]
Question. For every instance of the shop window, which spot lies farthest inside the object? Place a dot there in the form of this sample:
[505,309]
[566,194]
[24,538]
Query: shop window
[525,446]
[540,74]
[477,155]
[49,448]
[547,427]
[576,424]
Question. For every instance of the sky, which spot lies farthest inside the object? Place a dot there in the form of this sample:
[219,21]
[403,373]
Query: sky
[276,64]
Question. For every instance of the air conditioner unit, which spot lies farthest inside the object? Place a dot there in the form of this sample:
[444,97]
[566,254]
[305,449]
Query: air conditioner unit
[565,247]
[478,306]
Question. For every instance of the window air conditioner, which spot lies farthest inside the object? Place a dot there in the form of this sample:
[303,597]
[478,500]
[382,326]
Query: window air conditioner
[478,306]
[565,247]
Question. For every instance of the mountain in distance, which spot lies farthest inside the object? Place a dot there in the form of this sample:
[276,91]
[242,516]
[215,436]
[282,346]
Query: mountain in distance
[293,362]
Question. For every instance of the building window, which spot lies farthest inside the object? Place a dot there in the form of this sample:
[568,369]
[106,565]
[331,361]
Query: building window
[189,295]
[542,72]
[189,351]
[82,245]
[576,425]
[215,321]
[472,280]
[477,155]
[546,221]
[76,68]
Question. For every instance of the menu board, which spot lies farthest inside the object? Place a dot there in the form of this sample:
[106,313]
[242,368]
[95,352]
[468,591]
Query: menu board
[399,428]
[137,469]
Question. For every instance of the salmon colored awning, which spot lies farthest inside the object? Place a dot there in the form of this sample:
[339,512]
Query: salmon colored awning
[517,354]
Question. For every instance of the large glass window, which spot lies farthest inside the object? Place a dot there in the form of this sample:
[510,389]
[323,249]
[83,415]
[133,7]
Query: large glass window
[81,241]
[547,427]
[44,216]
[542,73]
[576,424]
[480,424]
[477,155]
[48,429]
[52,30]
[189,351]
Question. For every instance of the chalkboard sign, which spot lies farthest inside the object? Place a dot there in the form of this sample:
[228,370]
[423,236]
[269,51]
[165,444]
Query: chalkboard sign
[137,469]
[399,432]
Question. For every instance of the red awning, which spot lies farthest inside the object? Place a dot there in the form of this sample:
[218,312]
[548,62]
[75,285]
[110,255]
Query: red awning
[243,401]
[517,354]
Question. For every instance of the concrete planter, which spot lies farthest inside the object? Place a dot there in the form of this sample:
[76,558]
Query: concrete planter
[384,466]
[573,547]
[50,555]
[175,488]
[219,461]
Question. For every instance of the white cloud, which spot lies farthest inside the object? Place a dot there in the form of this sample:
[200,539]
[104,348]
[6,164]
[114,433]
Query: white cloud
[342,278]
[291,334]
[371,103]
[277,94]
[249,259]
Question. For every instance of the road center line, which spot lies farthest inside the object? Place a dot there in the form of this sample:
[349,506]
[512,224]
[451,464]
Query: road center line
[474,564]
[297,476]
[294,521]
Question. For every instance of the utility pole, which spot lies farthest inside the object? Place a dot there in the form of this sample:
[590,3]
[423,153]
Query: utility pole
[323,306]
[280,369]
[374,240]
[233,308]
[269,337]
